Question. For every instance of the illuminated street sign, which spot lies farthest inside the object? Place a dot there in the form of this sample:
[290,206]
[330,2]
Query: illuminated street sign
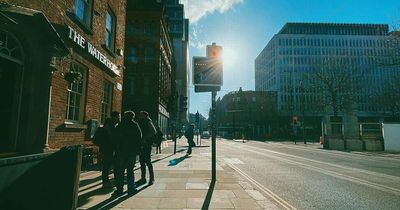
[207,71]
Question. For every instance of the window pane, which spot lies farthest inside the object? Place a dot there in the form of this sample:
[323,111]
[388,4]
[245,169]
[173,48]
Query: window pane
[110,30]
[72,99]
[83,11]
[76,93]
[80,9]
[108,22]
[71,113]
[148,54]
[106,101]
[108,39]
[132,55]
[147,86]
[131,85]
[77,100]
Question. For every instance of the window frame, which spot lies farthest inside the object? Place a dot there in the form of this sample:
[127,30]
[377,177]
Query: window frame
[110,43]
[147,86]
[149,54]
[82,94]
[87,19]
[131,83]
[132,58]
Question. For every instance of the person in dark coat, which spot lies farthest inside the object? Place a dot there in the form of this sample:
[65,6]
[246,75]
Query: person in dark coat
[129,142]
[104,139]
[158,140]
[149,133]
[189,134]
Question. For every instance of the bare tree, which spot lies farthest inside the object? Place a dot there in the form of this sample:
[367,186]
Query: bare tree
[389,97]
[336,80]
[391,56]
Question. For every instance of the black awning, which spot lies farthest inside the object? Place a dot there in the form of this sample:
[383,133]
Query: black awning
[11,14]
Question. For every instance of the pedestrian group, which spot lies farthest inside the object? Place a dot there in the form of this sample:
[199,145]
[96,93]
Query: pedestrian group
[120,142]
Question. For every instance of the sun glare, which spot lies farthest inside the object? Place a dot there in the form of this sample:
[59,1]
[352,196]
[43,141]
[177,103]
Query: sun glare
[229,56]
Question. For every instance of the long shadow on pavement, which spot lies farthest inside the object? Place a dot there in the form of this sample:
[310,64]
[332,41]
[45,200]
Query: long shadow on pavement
[83,199]
[89,181]
[207,200]
[176,161]
[113,201]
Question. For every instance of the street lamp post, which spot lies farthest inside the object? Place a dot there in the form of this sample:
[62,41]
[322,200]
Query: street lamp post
[292,124]
[303,99]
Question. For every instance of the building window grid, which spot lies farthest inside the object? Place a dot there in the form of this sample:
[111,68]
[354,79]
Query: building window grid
[132,55]
[132,85]
[147,85]
[148,54]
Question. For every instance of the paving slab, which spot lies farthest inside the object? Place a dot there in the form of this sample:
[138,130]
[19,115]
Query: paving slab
[185,185]
[243,203]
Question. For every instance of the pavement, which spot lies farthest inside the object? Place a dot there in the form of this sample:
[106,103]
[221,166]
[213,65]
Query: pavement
[181,182]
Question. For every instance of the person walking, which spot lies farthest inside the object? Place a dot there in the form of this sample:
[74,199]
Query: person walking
[189,134]
[149,133]
[158,140]
[129,142]
[104,138]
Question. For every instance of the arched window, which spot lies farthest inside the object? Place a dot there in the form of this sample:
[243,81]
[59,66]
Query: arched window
[10,48]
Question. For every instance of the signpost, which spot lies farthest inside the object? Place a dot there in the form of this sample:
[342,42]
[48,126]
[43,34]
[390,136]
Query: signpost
[207,71]
[207,77]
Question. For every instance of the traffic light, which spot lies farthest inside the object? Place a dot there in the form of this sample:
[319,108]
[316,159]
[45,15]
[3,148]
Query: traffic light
[214,51]
[183,103]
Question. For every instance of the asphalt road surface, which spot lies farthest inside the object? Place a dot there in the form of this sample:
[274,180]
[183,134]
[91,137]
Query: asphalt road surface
[308,177]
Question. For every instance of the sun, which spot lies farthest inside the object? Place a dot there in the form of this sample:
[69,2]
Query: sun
[229,56]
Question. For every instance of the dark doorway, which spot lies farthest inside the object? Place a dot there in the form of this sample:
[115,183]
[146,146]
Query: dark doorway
[9,83]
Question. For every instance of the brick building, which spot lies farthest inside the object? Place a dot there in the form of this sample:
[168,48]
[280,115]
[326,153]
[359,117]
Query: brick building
[150,64]
[248,113]
[61,67]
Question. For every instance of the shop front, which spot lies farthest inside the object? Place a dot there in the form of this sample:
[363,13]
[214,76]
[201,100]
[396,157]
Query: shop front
[27,44]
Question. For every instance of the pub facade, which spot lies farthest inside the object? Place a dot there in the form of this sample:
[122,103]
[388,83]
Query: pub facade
[61,71]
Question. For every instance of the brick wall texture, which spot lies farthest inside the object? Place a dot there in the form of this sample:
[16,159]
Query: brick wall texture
[60,14]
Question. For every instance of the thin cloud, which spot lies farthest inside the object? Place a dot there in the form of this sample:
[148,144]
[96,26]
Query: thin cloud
[194,39]
[197,9]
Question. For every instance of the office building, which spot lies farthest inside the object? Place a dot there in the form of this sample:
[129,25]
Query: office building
[288,61]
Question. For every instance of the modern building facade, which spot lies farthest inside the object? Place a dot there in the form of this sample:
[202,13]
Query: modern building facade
[179,32]
[248,113]
[150,64]
[61,71]
[285,64]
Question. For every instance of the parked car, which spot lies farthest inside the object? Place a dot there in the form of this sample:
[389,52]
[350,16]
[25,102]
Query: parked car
[205,135]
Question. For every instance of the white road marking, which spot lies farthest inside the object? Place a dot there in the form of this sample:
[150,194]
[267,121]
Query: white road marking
[355,155]
[261,187]
[233,161]
[393,178]
[324,171]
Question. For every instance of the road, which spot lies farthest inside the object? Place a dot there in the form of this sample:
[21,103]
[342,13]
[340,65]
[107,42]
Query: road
[308,177]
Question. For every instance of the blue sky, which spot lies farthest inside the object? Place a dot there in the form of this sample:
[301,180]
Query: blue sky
[244,27]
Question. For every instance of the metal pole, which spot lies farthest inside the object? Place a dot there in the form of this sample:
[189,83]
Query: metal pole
[200,130]
[174,137]
[213,138]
